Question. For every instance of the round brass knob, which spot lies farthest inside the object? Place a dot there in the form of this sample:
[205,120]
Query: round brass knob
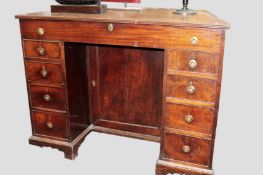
[50,125]
[192,63]
[191,88]
[110,27]
[44,73]
[47,98]
[194,40]
[186,149]
[40,31]
[189,118]
[41,51]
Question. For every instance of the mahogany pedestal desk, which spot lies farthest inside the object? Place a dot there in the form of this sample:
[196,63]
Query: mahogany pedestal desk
[152,75]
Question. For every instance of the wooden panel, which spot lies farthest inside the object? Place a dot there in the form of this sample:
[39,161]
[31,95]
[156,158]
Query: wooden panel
[202,118]
[206,63]
[58,122]
[144,86]
[31,49]
[57,97]
[131,85]
[33,70]
[76,70]
[75,59]
[124,34]
[205,90]
[112,72]
[199,153]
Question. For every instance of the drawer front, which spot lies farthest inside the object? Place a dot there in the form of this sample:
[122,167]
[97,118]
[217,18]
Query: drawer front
[43,72]
[187,149]
[50,124]
[194,62]
[191,88]
[124,34]
[47,97]
[190,118]
[41,49]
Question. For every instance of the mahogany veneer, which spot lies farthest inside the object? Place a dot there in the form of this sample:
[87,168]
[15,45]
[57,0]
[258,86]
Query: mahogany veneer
[53,75]
[151,75]
[51,49]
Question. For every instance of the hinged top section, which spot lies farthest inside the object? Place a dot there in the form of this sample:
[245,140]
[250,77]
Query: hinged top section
[146,16]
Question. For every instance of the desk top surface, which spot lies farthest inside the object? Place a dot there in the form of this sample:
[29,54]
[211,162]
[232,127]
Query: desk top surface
[146,16]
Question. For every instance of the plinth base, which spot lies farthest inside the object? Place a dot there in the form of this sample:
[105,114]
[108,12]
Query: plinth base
[170,168]
[70,149]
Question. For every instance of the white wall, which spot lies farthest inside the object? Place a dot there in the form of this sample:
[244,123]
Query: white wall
[238,147]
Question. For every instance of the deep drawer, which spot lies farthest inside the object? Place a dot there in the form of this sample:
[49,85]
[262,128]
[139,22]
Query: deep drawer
[124,34]
[43,72]
[41,49]
[190,118]
[191,88]
[47,97]
[49,124]
[187,149]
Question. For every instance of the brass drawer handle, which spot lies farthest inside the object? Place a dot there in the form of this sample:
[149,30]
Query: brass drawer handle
[189,118]
[40,31]
[50,125]
[47,98]
[44,73]
[192,64]
[110,27]
[186,149]
[194,40]
[191,88]
[41,51]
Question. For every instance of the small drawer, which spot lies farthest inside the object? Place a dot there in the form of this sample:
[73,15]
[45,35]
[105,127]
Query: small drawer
[189,118]
[41,49]
[194,62]
[49,124]
[47,97]
[191,88]
[187,149]
[43,72]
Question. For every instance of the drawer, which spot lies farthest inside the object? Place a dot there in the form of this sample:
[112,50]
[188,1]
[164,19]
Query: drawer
[43,72]
[138,35]
[41,49]
[49,124]
[187,149]
[191,88]
[194,62]
[47,97]
[190,118]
